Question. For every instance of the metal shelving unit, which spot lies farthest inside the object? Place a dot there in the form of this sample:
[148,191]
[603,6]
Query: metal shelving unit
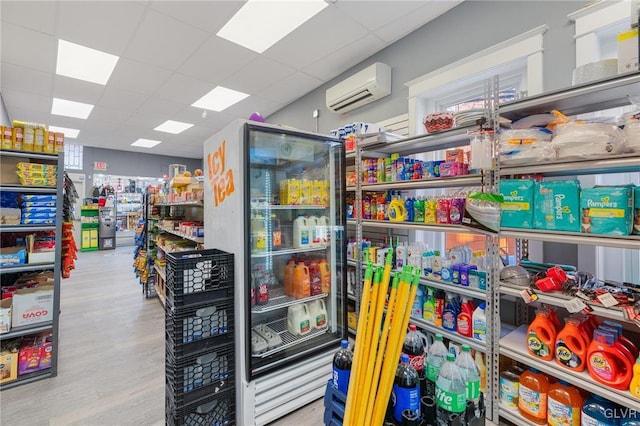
[27,228]
[199,240]
[26,330]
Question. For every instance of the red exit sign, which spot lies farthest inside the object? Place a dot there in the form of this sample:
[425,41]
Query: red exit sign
[100,165]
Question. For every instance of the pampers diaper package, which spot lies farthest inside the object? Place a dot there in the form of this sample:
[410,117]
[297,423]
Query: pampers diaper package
[517,209]
[557,205]
[607,210]
[636,221]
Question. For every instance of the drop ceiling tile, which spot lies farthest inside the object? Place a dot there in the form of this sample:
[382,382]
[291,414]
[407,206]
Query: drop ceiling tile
[26,113]
[77,90]
[323,34]
[183,89]
[216,120]
[102,25]
[26,102]
[401,27]
[163,41]
[26,79]
[248,106]
[216,60]
[115,116]
[137,76]
[41,15]
[70,122]
[327,68]
[290,88]
[209,16]
[121,99]
[374,17]
[257,75]
[154,112]
[201,132]
[28,48]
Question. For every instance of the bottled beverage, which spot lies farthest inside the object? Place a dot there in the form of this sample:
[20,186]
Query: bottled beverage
[415,347]
[301,233]
[288,277]
[315,278]
[471,376]
[301,281]
[563,405]
[435,358]
[532,396]
[253,289]
[450,391]
[325,275]
[262,286]
[342,367]
[406,389]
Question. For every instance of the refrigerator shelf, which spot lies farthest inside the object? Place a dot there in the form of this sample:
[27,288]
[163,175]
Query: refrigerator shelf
[287,251]
[282,301]
[289,207]
[288,340]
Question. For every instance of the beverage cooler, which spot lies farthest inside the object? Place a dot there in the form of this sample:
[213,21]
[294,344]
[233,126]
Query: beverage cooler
[275,198]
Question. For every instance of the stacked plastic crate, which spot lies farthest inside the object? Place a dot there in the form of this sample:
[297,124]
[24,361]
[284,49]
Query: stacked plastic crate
[200,359]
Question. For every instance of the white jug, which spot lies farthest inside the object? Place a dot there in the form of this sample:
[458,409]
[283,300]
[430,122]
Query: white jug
[301,233]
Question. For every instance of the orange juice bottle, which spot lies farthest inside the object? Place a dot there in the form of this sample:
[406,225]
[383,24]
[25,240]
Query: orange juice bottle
[301,281]
[325,274]
[532,396]
[564,404]
[571,346]
[541,335]
[288,277]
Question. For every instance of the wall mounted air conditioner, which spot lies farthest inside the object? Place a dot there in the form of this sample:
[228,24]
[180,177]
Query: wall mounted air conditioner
[368,85]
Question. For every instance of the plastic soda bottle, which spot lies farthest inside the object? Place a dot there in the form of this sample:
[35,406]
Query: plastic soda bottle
[415,347]
[471,375]
[435,359]
[406,389]
[450,391]
[342,367]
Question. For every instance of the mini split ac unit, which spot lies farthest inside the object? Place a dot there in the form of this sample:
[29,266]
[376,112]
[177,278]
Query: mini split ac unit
[368,85]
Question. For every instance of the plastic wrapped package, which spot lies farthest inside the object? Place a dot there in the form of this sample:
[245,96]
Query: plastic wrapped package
[525,146]
[631,123]
[587,140]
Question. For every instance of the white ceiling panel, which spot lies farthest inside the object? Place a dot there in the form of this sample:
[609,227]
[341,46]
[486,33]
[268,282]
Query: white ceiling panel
[350,55]
[411,22]
[216,60]
[26,79]
[77,90]
[121,99]
[27,102]
[28,48]
[102,25]
[28,114]
[164,41]
[327,32]
[260,73]
[137,76]
[41,15]
[209,16]
[290,88]
[384,11]
[183,89]
[248,106]
[154,112]
[110,115]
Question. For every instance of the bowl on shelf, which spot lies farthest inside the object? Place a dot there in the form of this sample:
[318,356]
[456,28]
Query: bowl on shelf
[438,121]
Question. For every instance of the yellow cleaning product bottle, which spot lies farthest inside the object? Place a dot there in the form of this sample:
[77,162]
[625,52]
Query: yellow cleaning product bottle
[634,387]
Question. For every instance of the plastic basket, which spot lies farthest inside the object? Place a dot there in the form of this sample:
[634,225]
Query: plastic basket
[199,329]
[198,277]
[194,378]
[216,410]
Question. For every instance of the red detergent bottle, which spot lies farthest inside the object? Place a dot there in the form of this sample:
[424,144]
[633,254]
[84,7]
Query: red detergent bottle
[607,362]
[622,338]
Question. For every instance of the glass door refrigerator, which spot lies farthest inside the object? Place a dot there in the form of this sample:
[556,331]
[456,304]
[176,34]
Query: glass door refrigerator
[275,198]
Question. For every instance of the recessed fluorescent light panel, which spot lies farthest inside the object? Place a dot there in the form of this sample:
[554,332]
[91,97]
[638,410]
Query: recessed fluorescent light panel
[71,108]
[146,143]
[260,24]
[174,127]
[68,133]
[219,99]
[84,63]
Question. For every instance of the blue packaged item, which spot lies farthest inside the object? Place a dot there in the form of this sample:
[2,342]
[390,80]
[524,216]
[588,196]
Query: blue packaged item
[51,221]
[39,209]
[636,209]
[517,209]
[39,198]
[450,314]
[9,199]
[455,274]
[13,256]
[597,411]
[607,210]
[38,215]
[556,206]
[39,203]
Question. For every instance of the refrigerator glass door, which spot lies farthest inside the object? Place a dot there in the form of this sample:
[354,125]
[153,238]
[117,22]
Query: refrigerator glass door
[295,253]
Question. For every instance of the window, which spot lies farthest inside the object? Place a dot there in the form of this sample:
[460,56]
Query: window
[73,156]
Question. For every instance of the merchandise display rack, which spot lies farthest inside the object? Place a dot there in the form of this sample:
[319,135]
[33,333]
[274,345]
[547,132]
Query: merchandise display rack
[56,267]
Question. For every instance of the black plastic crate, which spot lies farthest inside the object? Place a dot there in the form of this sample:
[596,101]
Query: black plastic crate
[194,378]
[198,277]
[216,410]
[199,329]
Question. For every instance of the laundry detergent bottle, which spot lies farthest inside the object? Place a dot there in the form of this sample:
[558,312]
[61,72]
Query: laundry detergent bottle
[571,346]
[607,362]
[564,404]
[634,387]
[541,335]
[622,338]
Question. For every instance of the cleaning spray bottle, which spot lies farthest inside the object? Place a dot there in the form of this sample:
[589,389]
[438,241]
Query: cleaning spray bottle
[464,321]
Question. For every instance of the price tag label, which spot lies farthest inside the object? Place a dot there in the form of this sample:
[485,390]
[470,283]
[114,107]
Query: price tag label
[528,296]
[575,305]
[581,295]
[607,300]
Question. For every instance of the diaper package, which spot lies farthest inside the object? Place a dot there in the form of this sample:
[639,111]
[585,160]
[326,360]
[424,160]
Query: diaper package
[556,206]
[636,221]
[517,209]
[607,210]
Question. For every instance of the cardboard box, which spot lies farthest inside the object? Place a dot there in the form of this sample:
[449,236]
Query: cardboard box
[5,315]
[32,306]
[8,366]
[42,257]
[12,256]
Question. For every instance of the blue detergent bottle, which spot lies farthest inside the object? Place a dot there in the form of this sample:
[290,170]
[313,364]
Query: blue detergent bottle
[450,313]
[597,411]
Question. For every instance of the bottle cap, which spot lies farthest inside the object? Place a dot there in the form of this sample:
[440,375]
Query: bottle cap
[412,327]
[344,343]
[482,305]
[466,348]
[439,336]
[605,337]
[404,358]
[451,357]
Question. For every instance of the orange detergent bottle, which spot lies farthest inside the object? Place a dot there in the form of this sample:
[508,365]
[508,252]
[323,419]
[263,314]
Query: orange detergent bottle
[607,362]
[532,396]
[325,274]
[301,281]
[288,277]
[571,346]
[541,335]
[564,404]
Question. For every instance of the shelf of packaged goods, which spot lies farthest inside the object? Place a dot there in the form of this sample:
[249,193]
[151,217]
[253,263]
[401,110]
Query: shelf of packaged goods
[579,99]
[454,337]
[424,143]
[29,189]
[30,155]
[160,272]
[514,346]
[172,251]
[26,268]
[289,207]
[288,340]
[26,330]
[27,228]
[287,251]
[414,226]
[181,204]
[408,185]
[561,300]
[514,416]
[619,241]
[199,240]
[27,378]
[619,164]
[283,301]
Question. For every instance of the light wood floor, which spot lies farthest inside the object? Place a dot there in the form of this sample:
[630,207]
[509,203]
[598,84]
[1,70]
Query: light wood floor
[111,364]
